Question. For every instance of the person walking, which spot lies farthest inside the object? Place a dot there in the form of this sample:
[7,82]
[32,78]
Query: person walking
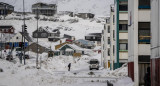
[147,78]
[69,66]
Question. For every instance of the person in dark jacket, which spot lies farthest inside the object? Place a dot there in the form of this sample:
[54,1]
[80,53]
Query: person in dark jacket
[69,66]
[147,78]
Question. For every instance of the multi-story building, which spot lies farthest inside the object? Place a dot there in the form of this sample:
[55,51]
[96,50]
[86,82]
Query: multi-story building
[138,40]
[105,43]
[155,43]
[121,31]
[112,36]
[44,9]
[5,9]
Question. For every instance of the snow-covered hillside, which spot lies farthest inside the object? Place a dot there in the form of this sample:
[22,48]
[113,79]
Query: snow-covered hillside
[98,7]
[65,23]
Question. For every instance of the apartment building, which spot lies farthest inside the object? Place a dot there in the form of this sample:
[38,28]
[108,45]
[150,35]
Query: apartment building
[105,43]
[44,9]
[138,39]
[121,31]
[112,36]
[5,9]
[155,42]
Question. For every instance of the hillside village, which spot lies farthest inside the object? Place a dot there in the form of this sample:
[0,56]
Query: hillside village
[49,47]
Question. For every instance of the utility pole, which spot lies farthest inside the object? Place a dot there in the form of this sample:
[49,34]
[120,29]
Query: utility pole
[24,32]
[37,16]
[1,44]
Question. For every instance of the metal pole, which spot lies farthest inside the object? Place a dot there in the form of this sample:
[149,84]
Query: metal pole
[24,33]
[1,44]
[37,41]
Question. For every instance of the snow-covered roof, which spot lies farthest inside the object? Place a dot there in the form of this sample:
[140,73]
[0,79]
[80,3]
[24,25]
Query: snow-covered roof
[69,49]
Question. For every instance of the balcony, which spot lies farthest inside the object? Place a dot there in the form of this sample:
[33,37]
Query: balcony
[123,15]
[123,35]
[123,55]
[144,39]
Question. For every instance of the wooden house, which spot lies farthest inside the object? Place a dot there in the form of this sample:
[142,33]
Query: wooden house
[7,29]
[71,49]
[85,15]
[33,47]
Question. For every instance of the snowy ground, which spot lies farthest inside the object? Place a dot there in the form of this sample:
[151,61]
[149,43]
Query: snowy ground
[54,72]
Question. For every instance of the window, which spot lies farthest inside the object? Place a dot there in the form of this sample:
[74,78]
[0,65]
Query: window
[123,27]
[87,37]
[108,40]
[144,33]
[44,34]
[113,19]
[113,34]
[6,30]
[144,4]
[113,50]
[11,30]
[35,35]
[123,7]
[123,46]
[108,52]
[108,29]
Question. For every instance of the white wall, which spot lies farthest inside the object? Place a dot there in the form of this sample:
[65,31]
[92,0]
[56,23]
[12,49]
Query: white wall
[144,49]
[155,29]
[123,15]
[123,55]
[123,35]
[144,15]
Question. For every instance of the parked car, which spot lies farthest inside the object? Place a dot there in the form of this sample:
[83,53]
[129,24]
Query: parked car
[9,57]
[94,64]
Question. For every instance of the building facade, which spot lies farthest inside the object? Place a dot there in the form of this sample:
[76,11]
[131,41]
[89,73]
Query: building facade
[121,31]
[138,39]
[105,43]
[112,36]
[6,9]
[44,9]
[155,42]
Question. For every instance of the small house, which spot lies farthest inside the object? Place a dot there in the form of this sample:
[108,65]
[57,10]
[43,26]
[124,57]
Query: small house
[16,40]
[69,37]
[85,43]
[71,49]
[94,37]
[85,15]
[46,32]
[33,47]
[7,29]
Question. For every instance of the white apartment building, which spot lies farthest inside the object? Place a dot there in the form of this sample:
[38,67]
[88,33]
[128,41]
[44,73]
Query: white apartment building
[112,36]
[138,39]
[105,40]
[121,31]
[155,42]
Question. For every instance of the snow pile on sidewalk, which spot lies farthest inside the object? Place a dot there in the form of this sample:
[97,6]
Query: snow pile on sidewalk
[120,72]
[124,82]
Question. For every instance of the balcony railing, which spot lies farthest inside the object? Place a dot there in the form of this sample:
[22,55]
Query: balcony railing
[144,39]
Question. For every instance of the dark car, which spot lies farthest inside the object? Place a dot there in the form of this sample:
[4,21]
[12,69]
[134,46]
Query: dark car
[9,57]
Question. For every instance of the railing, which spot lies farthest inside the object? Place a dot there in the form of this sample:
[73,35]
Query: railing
[144,39]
